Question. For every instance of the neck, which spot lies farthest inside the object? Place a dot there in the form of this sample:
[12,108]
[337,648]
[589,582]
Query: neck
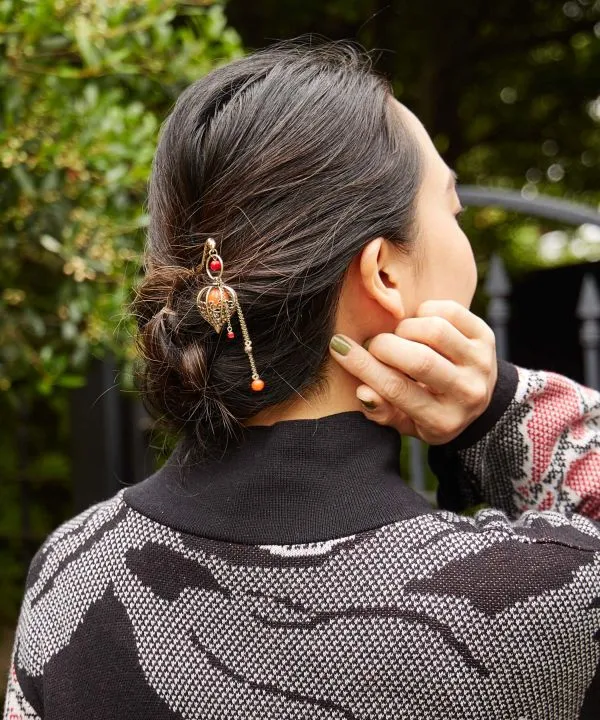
[340,397]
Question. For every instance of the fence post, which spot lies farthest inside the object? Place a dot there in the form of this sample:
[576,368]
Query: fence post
[498,288]
[417,469]
[588,311]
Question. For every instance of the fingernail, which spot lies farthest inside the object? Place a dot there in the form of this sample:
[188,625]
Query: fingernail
[368,404]
[340,345]
[366,343]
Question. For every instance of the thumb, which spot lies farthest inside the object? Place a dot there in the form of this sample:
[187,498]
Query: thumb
[382,412]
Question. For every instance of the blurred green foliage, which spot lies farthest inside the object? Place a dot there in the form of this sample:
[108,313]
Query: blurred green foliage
[84,87]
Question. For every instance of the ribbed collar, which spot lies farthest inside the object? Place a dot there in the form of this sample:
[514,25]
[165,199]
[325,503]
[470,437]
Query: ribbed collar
[292,482]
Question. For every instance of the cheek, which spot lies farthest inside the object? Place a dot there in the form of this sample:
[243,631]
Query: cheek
[469,272]
[449,269]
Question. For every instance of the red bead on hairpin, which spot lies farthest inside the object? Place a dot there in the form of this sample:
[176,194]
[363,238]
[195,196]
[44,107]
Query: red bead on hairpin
[217,304]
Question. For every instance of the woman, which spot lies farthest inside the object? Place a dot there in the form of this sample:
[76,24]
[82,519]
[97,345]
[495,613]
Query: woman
[277,566]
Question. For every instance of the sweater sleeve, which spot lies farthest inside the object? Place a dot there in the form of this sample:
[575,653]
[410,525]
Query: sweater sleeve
[24,691]
[27,688]
[16,706]
[537,447]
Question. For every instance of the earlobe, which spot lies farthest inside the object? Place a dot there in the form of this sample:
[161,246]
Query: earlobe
[375,266]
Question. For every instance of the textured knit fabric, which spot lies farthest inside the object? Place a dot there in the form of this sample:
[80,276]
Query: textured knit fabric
[299,577]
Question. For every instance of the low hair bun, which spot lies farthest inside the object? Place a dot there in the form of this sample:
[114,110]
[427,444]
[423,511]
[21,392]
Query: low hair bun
[180,355]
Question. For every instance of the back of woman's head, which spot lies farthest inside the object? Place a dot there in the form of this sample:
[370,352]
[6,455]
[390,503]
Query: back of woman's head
[292,159]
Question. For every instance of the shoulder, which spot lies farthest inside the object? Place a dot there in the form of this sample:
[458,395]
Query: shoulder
[75,534]
[489,566]
[69,564]
[532,526]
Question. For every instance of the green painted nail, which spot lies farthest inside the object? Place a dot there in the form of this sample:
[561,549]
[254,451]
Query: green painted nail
[369,404]
[340,345]
[366,343]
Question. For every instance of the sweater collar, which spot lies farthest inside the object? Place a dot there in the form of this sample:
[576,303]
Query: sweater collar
[292,482]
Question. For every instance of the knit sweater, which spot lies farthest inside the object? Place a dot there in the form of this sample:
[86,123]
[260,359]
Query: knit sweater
[300,577]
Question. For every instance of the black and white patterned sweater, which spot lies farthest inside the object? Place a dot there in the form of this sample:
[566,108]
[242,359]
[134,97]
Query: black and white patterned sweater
[301,578]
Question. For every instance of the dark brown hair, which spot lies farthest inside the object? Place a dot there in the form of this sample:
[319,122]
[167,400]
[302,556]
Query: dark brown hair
[293,158]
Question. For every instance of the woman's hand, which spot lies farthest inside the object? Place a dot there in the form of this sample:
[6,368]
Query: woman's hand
[430,378]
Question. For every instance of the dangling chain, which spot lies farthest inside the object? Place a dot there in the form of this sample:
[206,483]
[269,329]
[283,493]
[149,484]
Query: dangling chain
[247,342]
[217,304]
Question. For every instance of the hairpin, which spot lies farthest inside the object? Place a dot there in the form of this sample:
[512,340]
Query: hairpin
[218,303]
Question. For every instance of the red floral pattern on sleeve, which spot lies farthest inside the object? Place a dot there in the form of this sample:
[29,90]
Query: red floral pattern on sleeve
[561,427]
[543,453]
[16,706]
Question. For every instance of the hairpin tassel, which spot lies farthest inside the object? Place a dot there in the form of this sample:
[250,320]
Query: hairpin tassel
[217,303]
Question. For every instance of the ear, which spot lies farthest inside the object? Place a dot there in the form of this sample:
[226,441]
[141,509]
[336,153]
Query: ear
[380,275]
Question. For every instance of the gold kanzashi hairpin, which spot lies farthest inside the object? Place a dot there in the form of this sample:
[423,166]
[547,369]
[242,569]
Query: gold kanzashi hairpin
[218,303]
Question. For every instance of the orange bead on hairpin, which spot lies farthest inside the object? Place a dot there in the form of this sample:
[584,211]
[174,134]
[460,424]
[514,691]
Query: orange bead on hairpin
[217,303]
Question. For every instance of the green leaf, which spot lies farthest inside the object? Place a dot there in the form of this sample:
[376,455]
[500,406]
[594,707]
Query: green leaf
[23,180]
[83,31]
[72,381]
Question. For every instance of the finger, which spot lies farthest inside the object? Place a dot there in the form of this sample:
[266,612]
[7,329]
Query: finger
[382,412]
[388,382]
[369,398]
[416,360]
[440,335]
[463,319]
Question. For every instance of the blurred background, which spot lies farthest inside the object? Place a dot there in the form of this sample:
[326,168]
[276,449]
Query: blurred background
[509,91]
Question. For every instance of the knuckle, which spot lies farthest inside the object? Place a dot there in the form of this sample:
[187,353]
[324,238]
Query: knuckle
[393,388]
[485,359]
[475,392]
[425,363]
[458,392]
[362,363]
[438,330]
[454,313]
[490,336]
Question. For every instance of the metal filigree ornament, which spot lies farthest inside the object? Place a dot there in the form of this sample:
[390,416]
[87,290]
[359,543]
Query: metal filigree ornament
[218,303]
